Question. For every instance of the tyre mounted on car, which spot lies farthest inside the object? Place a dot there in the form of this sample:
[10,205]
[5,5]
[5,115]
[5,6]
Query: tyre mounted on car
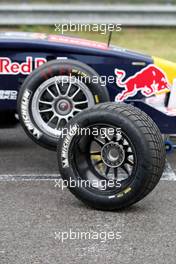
[53,94]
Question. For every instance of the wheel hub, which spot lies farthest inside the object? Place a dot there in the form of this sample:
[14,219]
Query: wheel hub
[113,154]
[63,106]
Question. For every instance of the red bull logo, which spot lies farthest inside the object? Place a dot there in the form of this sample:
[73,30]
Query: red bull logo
[150,80]
[26,67]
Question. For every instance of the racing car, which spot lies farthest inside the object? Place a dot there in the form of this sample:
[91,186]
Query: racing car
[69,83]
[104,73]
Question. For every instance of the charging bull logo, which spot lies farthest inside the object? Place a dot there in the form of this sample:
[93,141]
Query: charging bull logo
[150,80]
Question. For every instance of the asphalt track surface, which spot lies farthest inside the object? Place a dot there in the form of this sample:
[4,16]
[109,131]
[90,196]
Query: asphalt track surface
[33,210]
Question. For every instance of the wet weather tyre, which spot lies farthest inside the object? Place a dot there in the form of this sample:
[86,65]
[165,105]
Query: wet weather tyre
[132,158]
[52,94]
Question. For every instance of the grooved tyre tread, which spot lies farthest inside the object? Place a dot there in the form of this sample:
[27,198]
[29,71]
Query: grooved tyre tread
[153,159]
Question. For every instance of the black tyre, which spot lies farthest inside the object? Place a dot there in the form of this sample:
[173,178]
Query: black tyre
[111,170]
[54,93]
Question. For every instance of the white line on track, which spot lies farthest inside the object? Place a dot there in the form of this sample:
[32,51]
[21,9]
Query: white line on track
[28,177]
[168,175]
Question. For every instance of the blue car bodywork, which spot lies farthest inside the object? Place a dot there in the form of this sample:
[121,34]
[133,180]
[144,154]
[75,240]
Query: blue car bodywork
[21,53]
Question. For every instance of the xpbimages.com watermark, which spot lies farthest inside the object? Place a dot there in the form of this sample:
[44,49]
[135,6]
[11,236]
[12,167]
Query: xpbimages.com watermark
[105,184]
[102,79]
[103,132]
[101,28]
[102,236]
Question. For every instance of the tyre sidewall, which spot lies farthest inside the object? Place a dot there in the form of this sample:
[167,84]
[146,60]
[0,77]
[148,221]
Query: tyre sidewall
[144,160]
[40,75]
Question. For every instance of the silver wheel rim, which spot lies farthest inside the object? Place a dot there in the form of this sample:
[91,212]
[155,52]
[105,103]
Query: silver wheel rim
[57,100]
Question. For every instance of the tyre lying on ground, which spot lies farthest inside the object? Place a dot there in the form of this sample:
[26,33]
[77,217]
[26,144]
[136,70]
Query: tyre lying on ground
[54,93]
[112,155]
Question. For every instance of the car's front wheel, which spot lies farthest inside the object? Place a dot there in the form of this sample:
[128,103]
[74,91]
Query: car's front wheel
[53,94]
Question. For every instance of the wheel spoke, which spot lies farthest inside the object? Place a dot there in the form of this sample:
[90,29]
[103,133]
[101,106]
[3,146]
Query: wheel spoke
[130,153]
[114,138]
[98,162]
[107,170]
[125,169]
[130,162]
[77,110]
[81,102]
[45,110]
[45,102]
[57,86]
[75,93]
[51,119]
[121,141]
[48,90]
[99,142]
[58,122]
[68,88]
[96,153]
[115,173]
[107,138]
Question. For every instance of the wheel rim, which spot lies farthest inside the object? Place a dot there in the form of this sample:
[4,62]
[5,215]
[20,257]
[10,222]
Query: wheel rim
[57,100]
[111,158]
